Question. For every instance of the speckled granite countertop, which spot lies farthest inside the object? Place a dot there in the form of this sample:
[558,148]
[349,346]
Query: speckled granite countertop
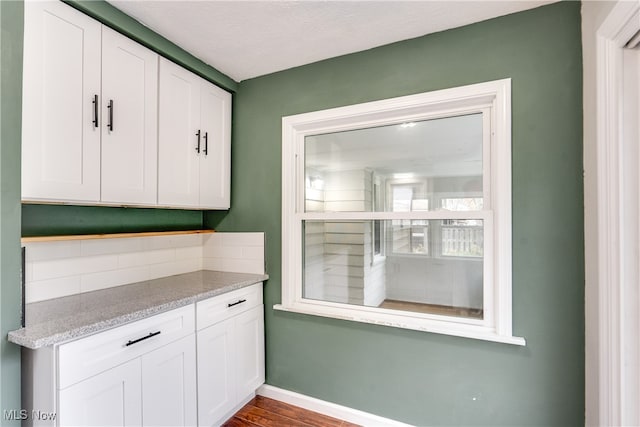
[62,319]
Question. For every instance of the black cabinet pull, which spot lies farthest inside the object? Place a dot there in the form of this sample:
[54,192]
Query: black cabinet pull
[231,304]
[206,143]
[198,146]
[95,111]
[110,107]
[151,334]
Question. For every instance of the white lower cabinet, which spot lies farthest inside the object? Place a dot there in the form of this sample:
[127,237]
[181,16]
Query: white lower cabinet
[140,374]
[169,385]
[216,388]
[157,389]
[249,351]
[111,398]
[230,353]
[191,366]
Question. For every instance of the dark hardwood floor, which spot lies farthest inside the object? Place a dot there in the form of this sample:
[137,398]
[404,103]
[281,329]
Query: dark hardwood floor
[265,412]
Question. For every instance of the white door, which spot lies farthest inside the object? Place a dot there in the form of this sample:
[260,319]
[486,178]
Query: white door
[129,120]
[60,133]
[180,139]
[249,339]
[112,398]
[216,383]
[215,159]
[169,385]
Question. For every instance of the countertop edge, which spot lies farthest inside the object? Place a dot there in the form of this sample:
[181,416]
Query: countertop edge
[20,338]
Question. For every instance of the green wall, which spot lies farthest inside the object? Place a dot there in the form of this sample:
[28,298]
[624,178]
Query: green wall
[43,220]
[11,13]
[424,378]
[52,220]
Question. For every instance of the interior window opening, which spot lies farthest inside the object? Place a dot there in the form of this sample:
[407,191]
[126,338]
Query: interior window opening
[404,225]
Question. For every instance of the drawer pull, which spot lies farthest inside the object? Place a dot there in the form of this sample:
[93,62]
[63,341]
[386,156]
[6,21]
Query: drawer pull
[236,303]
[152,334]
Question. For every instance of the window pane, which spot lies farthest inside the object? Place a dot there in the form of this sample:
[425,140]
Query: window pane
[417,269]
[462,238]
[399,168]
[461,203]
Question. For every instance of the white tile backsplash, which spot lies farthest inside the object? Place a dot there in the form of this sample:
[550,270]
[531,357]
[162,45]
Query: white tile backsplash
[172,242]
[135,259]
[253,252]
[56,269]
[109,279]
[178,267]
[235,265]
[110,246]
[160,256]
[234,252]
[191,252]
[43,270]
[41,290]
[47,251]
[214,251]
[235,239]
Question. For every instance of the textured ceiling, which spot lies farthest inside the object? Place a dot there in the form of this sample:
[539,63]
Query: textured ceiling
[246,39]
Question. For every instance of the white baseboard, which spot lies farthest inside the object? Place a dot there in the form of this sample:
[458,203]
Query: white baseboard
[327,408]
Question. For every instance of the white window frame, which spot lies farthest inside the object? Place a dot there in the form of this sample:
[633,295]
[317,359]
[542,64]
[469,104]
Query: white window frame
[493,97]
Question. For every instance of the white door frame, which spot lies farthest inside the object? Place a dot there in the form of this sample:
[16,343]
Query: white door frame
[619,381]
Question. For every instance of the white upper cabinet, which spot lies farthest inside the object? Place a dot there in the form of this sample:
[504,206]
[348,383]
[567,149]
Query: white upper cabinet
[129,120]
[89,113]
[92,132]
[61,142]
[215,159]
[179,138]
[194,140]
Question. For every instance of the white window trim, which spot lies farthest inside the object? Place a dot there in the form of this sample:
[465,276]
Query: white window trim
[496,95]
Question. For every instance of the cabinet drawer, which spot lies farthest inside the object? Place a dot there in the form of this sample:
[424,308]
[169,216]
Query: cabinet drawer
[221,307]
[89,356]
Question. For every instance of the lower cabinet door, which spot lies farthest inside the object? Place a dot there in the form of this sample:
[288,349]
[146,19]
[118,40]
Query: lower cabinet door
[216,384]
[169,385]
[249,338]
[112,398]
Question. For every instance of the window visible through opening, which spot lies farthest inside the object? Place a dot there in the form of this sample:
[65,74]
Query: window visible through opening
[398,212]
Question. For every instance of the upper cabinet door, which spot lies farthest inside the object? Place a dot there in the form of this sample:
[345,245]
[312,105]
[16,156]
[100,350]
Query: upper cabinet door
[129,120]
[215,160]
[180,139]
[61,137]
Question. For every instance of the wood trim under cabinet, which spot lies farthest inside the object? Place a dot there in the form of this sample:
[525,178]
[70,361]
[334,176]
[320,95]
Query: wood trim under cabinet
[110,236]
